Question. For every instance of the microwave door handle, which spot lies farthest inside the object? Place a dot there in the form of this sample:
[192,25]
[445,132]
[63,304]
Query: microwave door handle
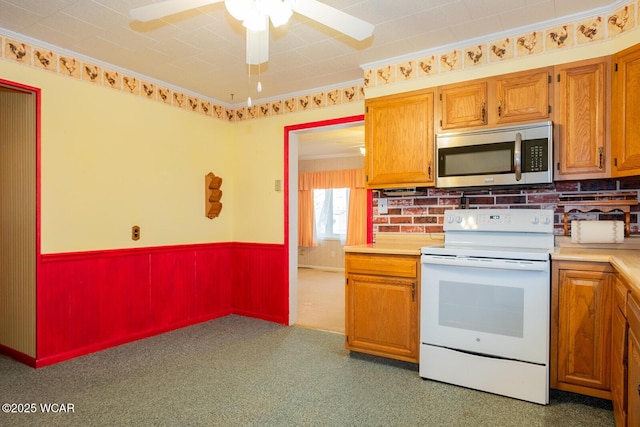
[517,156]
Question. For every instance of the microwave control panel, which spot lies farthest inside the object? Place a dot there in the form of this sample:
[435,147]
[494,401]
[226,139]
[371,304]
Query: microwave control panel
[535,155]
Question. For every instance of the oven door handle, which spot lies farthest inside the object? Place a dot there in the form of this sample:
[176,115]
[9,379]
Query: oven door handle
[498,264]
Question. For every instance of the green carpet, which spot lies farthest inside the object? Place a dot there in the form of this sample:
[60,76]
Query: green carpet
[237,371]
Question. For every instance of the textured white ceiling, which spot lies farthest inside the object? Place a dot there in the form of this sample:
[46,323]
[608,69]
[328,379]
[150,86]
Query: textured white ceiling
[322,143]
[203,50]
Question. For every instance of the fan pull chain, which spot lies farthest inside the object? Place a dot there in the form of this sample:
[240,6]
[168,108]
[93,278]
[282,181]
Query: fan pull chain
[249,103]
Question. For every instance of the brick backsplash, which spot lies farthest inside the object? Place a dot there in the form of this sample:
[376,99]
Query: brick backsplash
[425,213]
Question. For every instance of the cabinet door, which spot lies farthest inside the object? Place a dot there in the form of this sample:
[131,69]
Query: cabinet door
[633,391]
[583,336]
[618,366]
[625,111]
[619,351]
[399,140]
[463,105]
[580,99]
[633,379]
[522,97]
[382,316]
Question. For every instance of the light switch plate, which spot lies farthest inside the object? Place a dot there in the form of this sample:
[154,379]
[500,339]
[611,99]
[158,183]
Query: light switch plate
[383,206]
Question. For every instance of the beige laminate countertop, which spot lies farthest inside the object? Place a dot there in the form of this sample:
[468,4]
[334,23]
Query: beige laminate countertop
[399,244]
[625,258]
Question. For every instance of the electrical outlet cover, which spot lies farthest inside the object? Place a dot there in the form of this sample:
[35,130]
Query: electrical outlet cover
[383,206]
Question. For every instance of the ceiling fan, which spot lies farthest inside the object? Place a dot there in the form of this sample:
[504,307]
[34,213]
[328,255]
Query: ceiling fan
[255,16]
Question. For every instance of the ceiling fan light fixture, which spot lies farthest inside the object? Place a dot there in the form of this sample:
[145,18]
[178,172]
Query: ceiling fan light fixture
[255,20]
[279,11]
[251,12]
[239,9]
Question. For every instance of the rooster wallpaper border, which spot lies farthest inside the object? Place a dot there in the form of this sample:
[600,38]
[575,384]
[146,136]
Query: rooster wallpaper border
[25,53]
[509,47]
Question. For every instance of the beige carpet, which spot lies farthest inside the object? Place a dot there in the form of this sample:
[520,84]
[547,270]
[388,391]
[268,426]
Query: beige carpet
[321,300]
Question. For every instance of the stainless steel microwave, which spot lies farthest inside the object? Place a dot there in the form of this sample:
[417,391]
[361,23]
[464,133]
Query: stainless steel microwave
[510,155]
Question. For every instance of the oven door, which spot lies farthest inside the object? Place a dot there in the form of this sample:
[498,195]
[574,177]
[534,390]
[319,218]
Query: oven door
[487,306]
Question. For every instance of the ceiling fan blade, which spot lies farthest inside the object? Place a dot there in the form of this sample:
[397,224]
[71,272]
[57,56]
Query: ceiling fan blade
[166,8]
[331,17]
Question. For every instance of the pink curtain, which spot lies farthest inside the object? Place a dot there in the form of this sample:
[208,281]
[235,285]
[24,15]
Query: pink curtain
[349,178]
[306,229]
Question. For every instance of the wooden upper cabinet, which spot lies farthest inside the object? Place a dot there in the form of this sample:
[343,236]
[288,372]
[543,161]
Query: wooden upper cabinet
[464,105]
[399,138]
[495,101]
[625,112]
[581,100]
[523,97]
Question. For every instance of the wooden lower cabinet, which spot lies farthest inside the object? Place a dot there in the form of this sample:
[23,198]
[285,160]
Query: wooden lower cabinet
[619,351]
[633,364]
[581,318]
[382,305]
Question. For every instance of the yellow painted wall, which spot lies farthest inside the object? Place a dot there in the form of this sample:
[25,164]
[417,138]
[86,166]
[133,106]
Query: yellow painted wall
[112,160]
[259,147]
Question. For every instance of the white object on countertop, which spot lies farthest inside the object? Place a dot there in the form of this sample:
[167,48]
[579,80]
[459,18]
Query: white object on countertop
[597,231]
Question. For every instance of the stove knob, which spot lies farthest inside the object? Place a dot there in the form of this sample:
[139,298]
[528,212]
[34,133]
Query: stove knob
[546,220]
[534,220]
[459,219]
[450,219]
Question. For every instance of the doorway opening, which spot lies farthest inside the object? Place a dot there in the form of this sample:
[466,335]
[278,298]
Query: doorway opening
[19,218]
[316,275]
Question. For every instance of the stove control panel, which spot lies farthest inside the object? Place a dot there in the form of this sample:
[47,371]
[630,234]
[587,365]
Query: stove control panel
[518,220]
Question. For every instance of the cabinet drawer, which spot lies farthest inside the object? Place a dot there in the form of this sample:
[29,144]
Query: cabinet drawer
[382,265]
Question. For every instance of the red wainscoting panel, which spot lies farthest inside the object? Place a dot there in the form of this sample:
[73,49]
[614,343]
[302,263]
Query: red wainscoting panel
[212,268]
[85,300]
[261,284]
[171,287]
[94,300]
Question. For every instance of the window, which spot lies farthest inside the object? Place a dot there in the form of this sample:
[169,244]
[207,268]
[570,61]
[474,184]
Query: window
[330,212]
